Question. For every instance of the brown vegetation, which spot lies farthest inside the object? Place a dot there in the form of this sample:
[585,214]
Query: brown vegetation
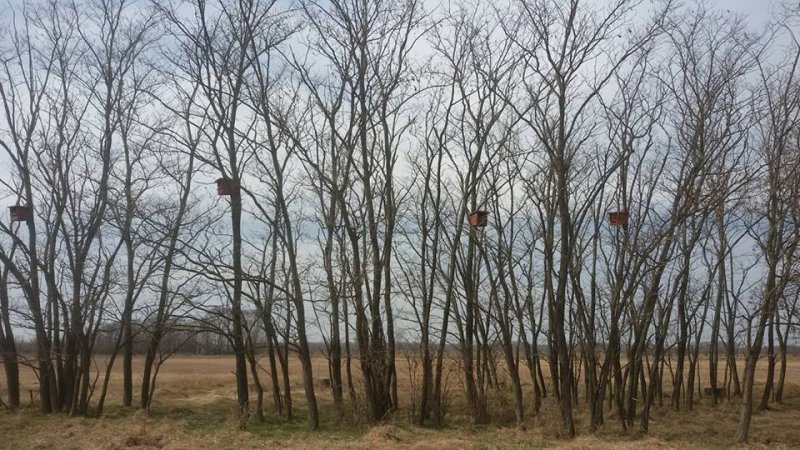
[196,403]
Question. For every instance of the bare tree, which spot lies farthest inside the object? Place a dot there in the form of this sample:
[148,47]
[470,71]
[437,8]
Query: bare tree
[219,47]
[557,42]
[775,211]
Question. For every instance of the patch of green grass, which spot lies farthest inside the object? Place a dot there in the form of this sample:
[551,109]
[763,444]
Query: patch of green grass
[217,416]
[117,412]
[194,420]
[275,427]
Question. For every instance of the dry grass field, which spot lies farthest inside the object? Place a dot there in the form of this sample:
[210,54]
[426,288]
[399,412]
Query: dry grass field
[194,409]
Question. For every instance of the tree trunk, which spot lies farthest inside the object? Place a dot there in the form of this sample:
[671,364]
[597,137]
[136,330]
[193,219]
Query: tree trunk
[237,339]
[770,381]
[8,346]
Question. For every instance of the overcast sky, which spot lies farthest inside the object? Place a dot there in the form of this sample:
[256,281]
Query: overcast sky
[757,10]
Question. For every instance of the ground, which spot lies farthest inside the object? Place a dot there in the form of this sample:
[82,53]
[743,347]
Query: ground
[195,407]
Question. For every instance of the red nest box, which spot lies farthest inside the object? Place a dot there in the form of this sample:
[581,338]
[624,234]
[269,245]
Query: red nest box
[226,186]
[479,219]
[20,213]
[618,219]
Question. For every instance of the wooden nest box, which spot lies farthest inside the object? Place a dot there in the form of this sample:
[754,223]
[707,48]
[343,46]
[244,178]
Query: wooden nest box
[618,219]
[226,186]
[479,219]
[20,213]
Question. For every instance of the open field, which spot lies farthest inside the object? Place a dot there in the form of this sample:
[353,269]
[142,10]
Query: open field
[194,408]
